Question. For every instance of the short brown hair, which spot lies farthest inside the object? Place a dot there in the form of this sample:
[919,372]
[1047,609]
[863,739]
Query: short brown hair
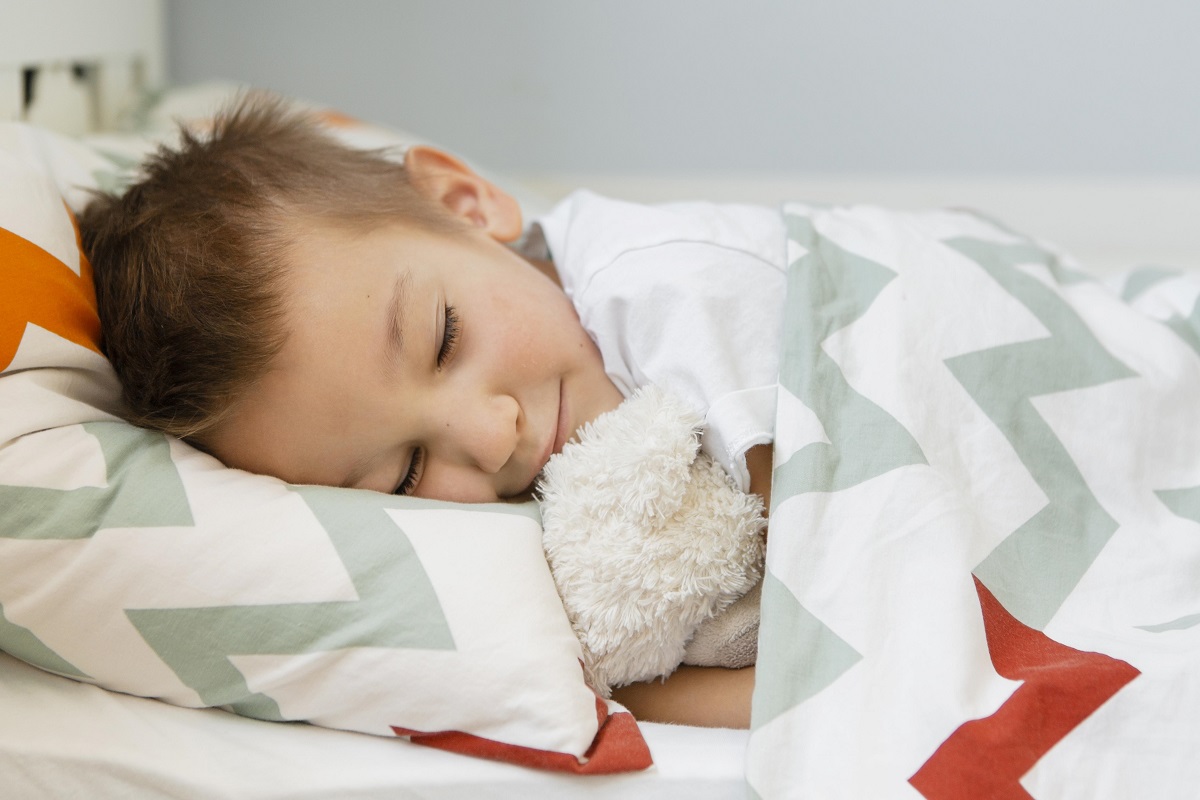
[188,261]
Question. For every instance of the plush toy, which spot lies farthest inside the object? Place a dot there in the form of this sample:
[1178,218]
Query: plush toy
[648,538]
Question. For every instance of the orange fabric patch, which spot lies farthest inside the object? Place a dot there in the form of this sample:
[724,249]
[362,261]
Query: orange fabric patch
[38,288]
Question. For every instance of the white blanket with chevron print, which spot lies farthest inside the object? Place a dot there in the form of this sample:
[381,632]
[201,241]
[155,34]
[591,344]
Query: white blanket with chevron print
[984,554]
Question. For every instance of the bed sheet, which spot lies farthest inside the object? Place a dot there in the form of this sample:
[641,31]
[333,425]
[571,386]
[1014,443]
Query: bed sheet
[983,570]
[64,739]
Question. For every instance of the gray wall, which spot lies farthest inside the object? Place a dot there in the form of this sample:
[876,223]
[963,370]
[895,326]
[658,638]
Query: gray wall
[810,86]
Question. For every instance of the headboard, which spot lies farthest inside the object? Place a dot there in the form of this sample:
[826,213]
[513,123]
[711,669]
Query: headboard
[79,66]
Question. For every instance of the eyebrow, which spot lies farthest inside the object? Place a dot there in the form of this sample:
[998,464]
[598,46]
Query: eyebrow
[394,322]
[393,345]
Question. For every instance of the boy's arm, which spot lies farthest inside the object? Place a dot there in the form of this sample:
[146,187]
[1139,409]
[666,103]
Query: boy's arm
[758,464]
[710,697]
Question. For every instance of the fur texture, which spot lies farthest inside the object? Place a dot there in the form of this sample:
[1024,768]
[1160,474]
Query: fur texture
[646,536]
[730,639]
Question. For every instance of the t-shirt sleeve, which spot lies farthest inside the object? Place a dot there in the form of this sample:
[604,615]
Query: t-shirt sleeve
[687,298]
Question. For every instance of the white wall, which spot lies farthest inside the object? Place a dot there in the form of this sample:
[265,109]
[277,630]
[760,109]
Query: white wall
[1075,120]
[1009,87]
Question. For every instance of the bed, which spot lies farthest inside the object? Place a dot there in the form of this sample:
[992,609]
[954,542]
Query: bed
[849,703]
[87,101]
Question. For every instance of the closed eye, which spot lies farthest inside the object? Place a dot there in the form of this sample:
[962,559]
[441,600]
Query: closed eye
[450,333]
[409,484]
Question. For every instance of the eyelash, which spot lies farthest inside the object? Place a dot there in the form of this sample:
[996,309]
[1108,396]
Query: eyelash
[449,341]
[414,470]
[449,336]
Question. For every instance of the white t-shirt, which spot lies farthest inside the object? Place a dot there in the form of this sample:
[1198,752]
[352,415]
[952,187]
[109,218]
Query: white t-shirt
[687,296]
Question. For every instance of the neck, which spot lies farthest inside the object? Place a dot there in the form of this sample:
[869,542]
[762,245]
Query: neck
[546,267]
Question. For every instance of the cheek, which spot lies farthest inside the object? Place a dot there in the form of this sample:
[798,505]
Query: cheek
[456,485]
[529,348]
[533,332]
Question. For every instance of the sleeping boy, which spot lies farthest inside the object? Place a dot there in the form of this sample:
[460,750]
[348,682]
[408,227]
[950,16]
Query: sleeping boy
[325,315]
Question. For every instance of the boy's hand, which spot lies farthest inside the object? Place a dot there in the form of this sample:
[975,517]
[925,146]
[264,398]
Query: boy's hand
[758,464]
[709,697]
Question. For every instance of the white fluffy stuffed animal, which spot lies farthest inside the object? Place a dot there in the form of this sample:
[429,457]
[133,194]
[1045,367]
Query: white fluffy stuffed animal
[646,536]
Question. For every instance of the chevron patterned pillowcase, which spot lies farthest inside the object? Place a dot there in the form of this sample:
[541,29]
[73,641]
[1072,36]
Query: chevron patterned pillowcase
[132,561]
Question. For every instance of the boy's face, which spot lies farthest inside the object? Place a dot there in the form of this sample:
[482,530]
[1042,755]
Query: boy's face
[434,364]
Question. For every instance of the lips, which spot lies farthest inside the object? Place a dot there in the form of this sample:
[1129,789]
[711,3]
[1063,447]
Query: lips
[558,439]
[563,431]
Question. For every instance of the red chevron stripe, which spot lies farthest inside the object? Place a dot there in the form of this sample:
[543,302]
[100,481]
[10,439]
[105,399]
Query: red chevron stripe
[618,747]
[985,758]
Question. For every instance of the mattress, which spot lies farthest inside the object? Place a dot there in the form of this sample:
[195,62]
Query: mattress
[64,739]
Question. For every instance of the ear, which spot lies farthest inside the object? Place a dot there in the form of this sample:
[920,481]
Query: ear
[464,193]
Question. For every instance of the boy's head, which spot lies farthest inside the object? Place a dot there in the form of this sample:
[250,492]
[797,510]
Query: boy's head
[191,258]
[326,315]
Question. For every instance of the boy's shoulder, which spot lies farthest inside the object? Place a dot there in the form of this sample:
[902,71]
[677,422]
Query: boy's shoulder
[589,229]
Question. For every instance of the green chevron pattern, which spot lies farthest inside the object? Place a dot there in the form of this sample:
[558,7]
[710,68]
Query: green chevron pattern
[897,566]
[1187,328]
[1034,569]
[836,287]
[816,655]
[397,606]
[20,642]
[1143,279]
[143,491]
[117,179]
[1182,502]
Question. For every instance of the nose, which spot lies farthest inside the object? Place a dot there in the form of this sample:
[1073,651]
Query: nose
[483,432]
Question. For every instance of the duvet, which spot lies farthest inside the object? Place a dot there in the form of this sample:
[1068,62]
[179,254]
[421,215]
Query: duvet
[983,565]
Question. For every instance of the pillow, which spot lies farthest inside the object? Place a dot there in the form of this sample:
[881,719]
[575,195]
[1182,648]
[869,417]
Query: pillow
[132,561]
